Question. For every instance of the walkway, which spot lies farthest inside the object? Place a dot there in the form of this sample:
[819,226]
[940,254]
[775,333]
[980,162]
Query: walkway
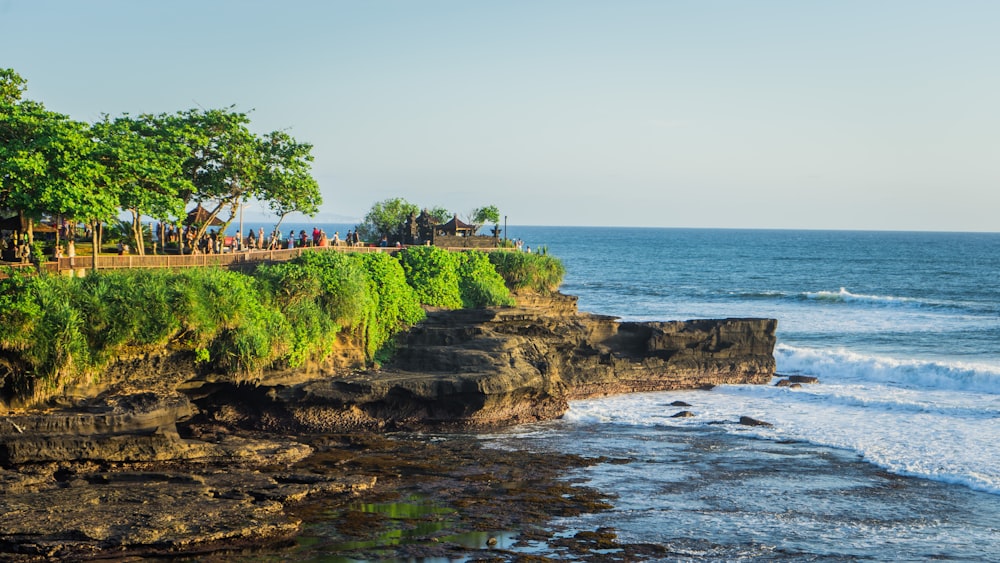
[234,260]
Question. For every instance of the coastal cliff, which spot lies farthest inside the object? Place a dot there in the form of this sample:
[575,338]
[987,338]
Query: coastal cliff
[474,368]
[201,439]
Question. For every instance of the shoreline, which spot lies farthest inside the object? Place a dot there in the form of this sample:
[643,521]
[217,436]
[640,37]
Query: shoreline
[164,459]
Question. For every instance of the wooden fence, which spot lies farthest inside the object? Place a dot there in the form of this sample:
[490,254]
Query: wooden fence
[233,260]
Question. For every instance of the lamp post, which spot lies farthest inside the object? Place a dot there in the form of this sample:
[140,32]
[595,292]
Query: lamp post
[505,231]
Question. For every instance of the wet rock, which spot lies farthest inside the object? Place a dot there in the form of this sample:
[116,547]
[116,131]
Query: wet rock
[679,404]
[162,457]
[107,511]
[683,414]
[803,379]
[748,421]
[495,367]
[783,383]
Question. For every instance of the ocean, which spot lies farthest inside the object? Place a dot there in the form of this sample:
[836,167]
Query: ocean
[893,455]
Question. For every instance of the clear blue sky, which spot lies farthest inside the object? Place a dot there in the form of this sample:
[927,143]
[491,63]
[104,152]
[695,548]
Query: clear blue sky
[869,114]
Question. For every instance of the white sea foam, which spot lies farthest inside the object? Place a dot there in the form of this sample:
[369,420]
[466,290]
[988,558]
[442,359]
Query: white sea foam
[943,435]
[843,365]
[846,296]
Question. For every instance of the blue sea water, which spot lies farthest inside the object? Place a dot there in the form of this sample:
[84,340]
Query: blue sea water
[901,328]
[894,455]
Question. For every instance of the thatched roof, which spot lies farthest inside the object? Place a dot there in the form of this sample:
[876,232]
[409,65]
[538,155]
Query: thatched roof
[456,226]
[15,224]
[199,216]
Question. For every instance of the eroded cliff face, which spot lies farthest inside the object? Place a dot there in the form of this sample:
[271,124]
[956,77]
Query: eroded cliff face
[521,364]
[166,457]
[465,368]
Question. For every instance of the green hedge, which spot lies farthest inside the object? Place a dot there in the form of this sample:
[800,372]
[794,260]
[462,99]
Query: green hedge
[524,271]
[479,284]
[433,273]
[55,330]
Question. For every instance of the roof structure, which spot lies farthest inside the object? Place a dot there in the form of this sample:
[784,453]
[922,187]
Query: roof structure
[15,224]
[456,226]
[199,216]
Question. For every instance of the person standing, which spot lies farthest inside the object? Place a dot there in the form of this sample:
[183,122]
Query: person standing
[71,253]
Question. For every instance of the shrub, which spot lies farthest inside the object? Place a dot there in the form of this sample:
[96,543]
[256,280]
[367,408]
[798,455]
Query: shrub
[479,283]
[55,329]
[396,302]
[297,289]
[540,273]
[432,273]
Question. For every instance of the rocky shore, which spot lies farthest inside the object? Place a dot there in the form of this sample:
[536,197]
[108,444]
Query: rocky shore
[164,458]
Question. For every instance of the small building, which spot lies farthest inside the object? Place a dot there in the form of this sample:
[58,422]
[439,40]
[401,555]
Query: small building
[199,216]
[456,233]
[457,228]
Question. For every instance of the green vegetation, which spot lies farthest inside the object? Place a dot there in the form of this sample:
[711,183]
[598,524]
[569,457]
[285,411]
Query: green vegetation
[59,330]
[534,272]
[148,166]
[388,218]
[479,283]
[433,273]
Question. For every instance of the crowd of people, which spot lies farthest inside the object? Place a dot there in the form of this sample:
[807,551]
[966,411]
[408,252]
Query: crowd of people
[213,242]
[16,248]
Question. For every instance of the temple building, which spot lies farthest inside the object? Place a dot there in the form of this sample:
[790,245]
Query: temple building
[425,229]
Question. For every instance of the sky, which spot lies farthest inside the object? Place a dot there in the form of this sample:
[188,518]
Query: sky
[867,114]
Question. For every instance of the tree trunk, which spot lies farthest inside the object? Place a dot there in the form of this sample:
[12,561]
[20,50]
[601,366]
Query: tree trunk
[95,239]
[59,222]
[140,247]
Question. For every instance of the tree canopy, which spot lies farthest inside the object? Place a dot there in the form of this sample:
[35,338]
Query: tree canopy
[48,162]
[388,218]
[147,166]
[482,215]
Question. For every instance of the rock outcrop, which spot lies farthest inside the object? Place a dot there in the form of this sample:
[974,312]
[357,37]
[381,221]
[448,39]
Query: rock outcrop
[464,368]
[163,457]
[494,367]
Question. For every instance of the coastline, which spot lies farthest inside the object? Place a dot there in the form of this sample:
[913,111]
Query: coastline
[216,463]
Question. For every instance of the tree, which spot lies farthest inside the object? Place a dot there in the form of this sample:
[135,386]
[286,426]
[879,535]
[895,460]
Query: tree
[229,166]
[12,86]
[224,162]
[48,162]
[144,160]
[286,183]
[440,214]
[386,218]
[481,215]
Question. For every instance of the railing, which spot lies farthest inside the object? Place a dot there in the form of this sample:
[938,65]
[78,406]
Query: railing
[227,259]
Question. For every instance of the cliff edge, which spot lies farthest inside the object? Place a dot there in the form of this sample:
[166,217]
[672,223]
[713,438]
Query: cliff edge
[164,458]
[458,368]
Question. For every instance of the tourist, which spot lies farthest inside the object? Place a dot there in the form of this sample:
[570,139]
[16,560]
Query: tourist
[71,253]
